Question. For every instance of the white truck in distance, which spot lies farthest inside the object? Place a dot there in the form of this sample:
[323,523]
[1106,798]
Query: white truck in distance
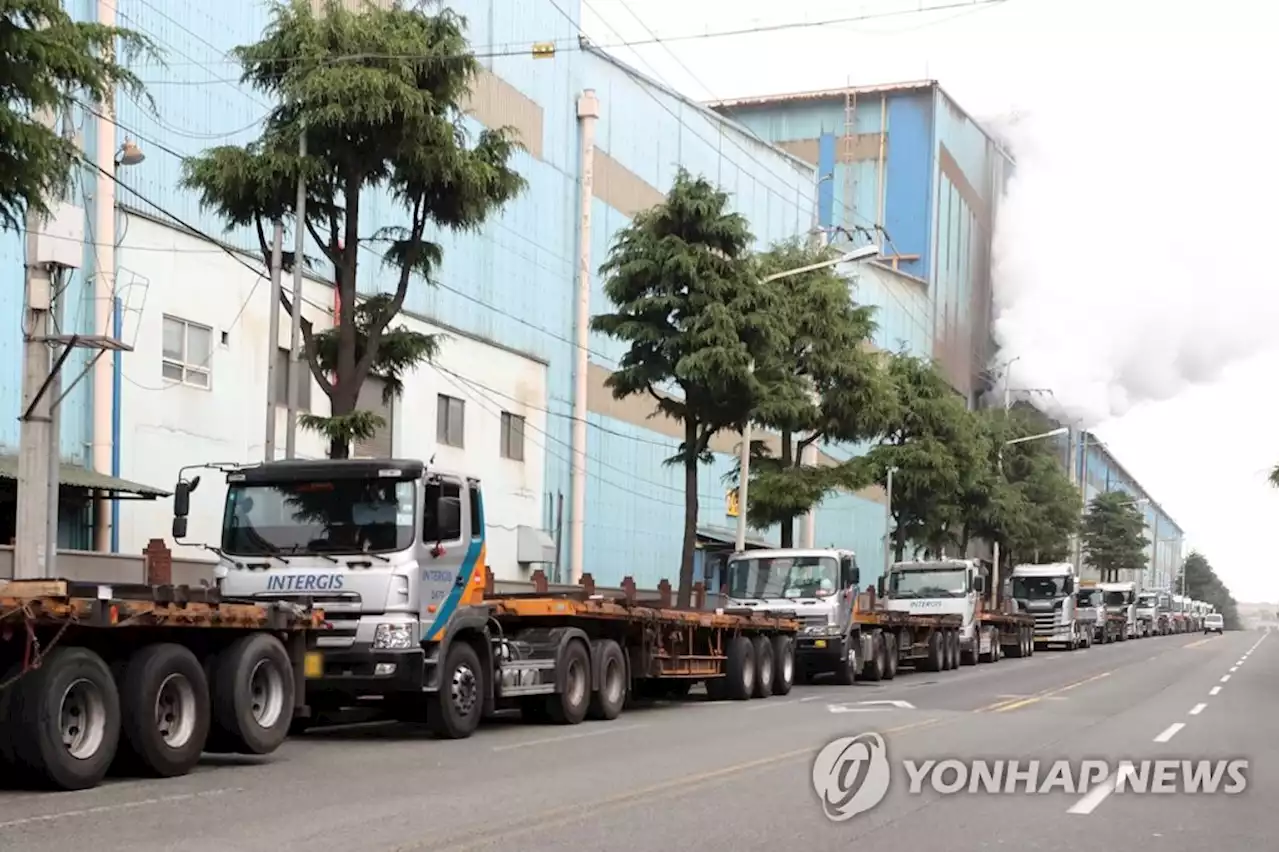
[1149,613]
[1122,598]
[818,588]
[1091,612]
[1047,593]
[945,587]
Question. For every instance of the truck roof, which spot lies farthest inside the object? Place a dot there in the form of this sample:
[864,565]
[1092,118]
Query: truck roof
[302,470]
[794,553]
[1051,569]
[1118,587]
[931,564]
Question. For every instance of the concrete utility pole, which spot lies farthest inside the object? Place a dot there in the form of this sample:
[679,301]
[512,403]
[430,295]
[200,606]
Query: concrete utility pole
[888,519]
[36,439]
[273,341]
[295,319]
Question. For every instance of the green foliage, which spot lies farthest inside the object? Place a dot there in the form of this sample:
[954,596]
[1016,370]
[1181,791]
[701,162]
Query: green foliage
[694,314]
[1274,476]
[1029,504]
[47,60]
[934,444]
[821,383]
[1113,536]
[380,95]
[1202,584]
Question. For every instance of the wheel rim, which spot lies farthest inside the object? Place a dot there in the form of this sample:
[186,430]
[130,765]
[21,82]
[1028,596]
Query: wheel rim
[462,689]
[266,692]
[613,682]
[576,683]
[766,670]
[788,667]
[176,711]
[748,678]
[82,716]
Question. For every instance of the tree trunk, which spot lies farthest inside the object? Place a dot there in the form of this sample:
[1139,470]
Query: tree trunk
[339,449]
[787,537]
[899,543]
[684,594]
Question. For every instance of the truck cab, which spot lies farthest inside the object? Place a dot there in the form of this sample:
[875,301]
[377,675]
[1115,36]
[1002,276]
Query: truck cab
[1122,599]
[1148,613]
[1091,612]
[818,588]
[944,587]
[1047,593]
[392,553]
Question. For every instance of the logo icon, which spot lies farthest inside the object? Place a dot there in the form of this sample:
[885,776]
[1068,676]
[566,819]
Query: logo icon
[851,775]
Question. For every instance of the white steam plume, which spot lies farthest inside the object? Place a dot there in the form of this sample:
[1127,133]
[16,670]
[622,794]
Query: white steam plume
[1132,247]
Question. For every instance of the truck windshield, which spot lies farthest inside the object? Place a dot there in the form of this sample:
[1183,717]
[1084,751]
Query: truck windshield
[1085,597]
[942,583]
[340,516]
[1039,588]
[1146,600]
[1117,598]
[783,577]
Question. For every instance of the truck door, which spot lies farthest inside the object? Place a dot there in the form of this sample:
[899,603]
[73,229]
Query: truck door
[443,525]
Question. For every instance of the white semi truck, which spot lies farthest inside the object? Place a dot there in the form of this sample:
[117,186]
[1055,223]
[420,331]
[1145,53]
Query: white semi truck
[1151,618]
[1091,611]
[1047,594]
[1122,599]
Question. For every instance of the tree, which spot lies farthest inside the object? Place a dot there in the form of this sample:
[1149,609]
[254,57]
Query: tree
[379,93]
[930,442]
[822,384]
[1113,534]
[47,62]
[1200,582]
[1274,476]
[690,305]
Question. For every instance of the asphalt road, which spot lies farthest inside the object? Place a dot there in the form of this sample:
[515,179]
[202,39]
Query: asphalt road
[740,775]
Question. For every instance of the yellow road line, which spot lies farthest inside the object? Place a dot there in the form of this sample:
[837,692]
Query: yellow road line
[580,811]
[1198,642]
[1005,706]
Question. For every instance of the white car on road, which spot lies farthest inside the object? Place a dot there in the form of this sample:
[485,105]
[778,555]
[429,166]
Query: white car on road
[1213,622]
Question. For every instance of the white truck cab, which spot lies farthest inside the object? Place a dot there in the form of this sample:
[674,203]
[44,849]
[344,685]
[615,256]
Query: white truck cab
[1091,612]
[1047,593]
[1149,613]
[817,587]
[944,587]
[1123,598]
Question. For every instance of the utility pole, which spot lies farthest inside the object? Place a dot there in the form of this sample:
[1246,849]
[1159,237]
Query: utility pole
[35,441]
[273,341]
[295,320]
[888,519]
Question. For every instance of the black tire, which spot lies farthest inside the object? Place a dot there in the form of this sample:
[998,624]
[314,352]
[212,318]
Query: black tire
[953,638]
[890,656]
[1019,647]
[607,702]
[873,669]
[762,650]
[740,670]
[164,708]
[570,705]
[846,670]
[73,684]
[935,654]
[251,695]
[533,710]
[784,664]
[453,713]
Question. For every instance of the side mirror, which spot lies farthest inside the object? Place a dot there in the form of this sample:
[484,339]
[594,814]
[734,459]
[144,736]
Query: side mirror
[880,587]
[980,584]
[179,528]
[182,496]
[1070,585]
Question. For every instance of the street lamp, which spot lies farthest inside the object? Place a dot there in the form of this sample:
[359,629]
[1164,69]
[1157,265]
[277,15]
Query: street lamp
[995,545]
[744,451]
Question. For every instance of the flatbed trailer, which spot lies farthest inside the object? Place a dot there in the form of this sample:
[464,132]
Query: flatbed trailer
[1015,632]
[140,679]
[1117,627]
[567,656]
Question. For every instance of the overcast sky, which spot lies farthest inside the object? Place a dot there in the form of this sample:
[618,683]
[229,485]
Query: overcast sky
[1132,274]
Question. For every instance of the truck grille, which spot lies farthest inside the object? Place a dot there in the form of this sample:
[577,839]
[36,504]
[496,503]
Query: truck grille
[812,621]
[341,615]
[1045,623]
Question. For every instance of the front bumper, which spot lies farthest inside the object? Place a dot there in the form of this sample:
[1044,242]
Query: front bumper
[821,650]
[1059,634]
[360,671]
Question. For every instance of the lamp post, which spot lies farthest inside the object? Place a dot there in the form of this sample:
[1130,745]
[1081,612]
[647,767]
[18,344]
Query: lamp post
[744,452]
[995,545]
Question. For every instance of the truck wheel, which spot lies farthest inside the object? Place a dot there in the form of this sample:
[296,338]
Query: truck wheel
[251,696]
[990,656]
[65,720]
[570,705]
[607,702]
[934,653]
[847,668]
[740,669]
[784,664]
[164,704]
[454,712]
[954,637]
[762,650]
[890,656]
[873,669]
[1020,646]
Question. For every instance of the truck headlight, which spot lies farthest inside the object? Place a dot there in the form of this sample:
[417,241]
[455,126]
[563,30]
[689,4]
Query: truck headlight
[823,630]
[393,637]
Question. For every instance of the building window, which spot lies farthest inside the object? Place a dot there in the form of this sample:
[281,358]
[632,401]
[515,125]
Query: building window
[371,398]
[186,351]
[512,436]
[280,393]
[451,420]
